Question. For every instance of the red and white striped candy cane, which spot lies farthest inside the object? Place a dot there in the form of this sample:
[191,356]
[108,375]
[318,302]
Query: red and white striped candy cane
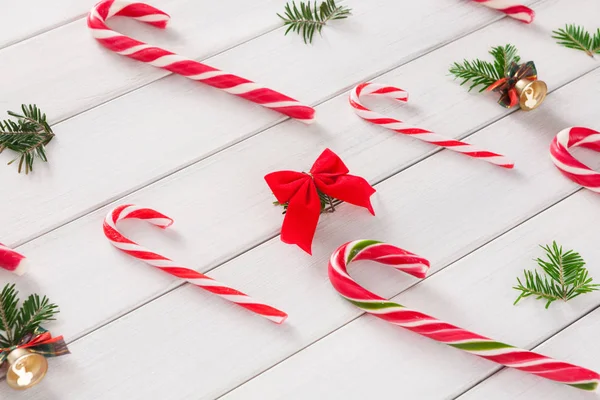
[567,164]
[375,89]
[177,64]
[129,211]
[443,332]
[12,261]
[510,8]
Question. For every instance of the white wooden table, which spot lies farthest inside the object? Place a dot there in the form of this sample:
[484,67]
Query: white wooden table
[128,132]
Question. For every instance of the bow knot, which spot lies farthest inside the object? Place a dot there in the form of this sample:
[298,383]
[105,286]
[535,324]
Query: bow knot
[39,341]
[506,86]
[302,191]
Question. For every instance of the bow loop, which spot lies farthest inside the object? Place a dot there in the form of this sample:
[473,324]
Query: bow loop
[302,194]
[329,164]
[39,341]
[506,86]
[285,184]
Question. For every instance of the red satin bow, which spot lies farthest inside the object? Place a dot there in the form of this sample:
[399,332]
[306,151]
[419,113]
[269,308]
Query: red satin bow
[328,175]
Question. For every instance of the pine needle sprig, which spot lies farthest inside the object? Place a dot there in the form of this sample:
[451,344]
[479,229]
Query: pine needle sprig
[308,19]
[504,56]
[576,37]
[566,277]
[27,136]
[328,203]
[484,73]
[16,322]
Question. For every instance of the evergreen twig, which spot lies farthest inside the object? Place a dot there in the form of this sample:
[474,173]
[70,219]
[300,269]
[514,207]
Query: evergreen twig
[327,203]
[566,277]
[576,37]
[27,136]
[308,19]
[484,73]
[16,322]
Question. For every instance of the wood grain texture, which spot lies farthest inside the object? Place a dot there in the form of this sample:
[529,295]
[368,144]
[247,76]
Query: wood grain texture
[238,200]
[370,358]
[490,201]
[200,120]
[78,73]
[25,19]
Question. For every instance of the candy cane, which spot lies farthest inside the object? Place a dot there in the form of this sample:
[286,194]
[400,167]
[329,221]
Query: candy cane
[567,164]
[129,211]
[12,261]
[375,89]
[510,8]
[191,69]
[501,353]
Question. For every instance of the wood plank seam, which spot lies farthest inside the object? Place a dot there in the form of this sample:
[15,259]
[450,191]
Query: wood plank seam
[252,134]
[497,370]
[480,247]
[43,31]
[436,150]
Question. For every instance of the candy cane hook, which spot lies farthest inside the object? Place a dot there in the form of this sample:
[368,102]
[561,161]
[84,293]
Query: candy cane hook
[567,164]
[127,246]
[177,64]
[501,353]
[375,89]
[510,8]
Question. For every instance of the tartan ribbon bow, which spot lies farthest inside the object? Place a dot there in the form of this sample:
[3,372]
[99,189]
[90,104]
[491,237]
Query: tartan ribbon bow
[300,190]
[40,342]
[506,86]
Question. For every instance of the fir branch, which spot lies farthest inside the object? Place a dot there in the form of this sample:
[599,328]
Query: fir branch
[576,37]
[27,136]
[16,322]
[484,73]
[504,56]
[566,277]
[8,314]
[478,72]
[33,313]
[308,19]
[327,203]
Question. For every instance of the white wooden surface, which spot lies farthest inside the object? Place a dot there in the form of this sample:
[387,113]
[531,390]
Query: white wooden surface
[136,333]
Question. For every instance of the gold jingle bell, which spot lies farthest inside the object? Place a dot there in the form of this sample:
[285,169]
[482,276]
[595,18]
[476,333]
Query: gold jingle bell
[531,93]
[26,369]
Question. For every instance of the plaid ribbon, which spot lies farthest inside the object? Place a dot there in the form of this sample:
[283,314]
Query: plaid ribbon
[506,86]
[39,341]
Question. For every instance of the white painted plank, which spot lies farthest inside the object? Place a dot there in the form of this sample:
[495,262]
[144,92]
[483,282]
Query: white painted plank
[25,19]
[221,339]
[215,198]
[578,343]
[370,358]
[177,122]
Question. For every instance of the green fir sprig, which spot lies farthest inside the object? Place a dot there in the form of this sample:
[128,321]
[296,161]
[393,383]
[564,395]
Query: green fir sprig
[566,277]
[576,37]
[484,73]
[15,321]
[327,203]
[27,136]
[308,19]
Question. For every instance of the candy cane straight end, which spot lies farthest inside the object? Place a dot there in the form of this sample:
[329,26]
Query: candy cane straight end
[12,261]
[514,10]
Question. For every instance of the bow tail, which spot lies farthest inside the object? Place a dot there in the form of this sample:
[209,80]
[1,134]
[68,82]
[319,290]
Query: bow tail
[302,217]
